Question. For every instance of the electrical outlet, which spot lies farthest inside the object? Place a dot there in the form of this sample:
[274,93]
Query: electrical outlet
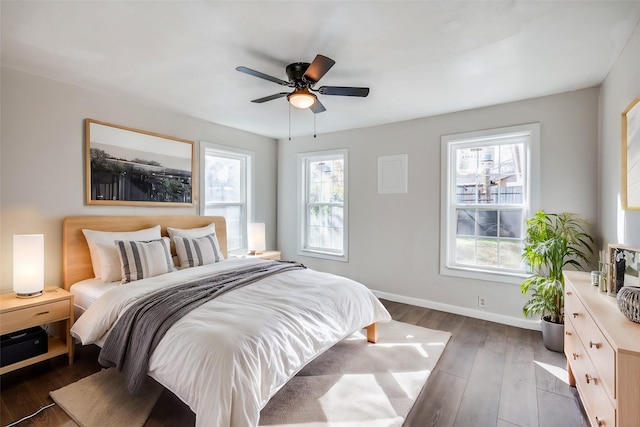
[482,302]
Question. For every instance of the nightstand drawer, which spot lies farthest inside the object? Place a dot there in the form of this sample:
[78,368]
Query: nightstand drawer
[36,315]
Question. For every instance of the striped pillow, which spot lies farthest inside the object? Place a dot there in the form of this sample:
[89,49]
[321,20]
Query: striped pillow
[140,260]
[94,237]
[200,251]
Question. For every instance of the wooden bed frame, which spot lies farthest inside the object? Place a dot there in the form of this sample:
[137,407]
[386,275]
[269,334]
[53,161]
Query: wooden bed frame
[76,259]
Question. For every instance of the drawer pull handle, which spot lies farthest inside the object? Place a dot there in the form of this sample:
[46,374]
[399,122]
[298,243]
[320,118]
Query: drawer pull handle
[576,315]
[599,422]
[594,344]
[590,378]
[575,356]
[567,333]
[44,312]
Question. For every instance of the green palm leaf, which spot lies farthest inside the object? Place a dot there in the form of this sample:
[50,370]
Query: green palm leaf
[552,243]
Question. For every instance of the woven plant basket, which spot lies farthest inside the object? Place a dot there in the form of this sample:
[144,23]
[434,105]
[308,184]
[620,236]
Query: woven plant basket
[629,302]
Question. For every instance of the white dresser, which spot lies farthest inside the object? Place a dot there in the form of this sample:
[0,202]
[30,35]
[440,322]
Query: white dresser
[603,354]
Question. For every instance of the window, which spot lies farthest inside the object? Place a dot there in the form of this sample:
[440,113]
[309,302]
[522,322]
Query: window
[489,190]
[322,227]
[225,184]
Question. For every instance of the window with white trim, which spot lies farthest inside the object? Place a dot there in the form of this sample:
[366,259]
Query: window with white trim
[490,187]
[322,214]
[226,189]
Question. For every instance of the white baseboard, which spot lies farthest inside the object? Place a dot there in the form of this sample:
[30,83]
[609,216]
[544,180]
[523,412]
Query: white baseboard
[464,311]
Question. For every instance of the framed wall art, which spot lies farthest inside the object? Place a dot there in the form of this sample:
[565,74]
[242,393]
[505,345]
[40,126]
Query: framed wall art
[624,267]
[630,191]
[126,166]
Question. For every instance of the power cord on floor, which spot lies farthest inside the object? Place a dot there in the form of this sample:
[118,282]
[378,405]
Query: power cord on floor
[31,416]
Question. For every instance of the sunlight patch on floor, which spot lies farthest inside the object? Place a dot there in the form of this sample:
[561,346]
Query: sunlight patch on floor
[364,387]
[419,347]
[556,371]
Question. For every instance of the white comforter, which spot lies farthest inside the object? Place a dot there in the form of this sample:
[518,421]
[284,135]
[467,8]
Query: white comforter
[228,357]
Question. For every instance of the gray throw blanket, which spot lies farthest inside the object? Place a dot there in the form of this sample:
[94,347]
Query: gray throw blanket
[139,330]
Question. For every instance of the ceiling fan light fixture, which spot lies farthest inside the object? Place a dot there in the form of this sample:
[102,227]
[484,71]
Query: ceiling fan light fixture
[301,98]
[302,78]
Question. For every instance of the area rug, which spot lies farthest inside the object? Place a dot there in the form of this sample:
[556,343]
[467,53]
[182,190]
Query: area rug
[359,384]
[352,384]
[102,400]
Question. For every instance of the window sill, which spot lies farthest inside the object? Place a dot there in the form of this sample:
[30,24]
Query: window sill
[468,273]
[323,255]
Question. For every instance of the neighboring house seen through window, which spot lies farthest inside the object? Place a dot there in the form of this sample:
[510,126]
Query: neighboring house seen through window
[322,218]
[225,190]
[489,190]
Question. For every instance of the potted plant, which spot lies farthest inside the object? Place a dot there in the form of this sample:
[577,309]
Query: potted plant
[552,242]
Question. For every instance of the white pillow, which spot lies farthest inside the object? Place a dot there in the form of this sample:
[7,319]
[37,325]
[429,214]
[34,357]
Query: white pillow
[110,268]
[93,237]
[141,260]
[191,233]
[200,251]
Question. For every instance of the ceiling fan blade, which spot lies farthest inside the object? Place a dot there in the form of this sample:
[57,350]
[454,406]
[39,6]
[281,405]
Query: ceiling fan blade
[262,75]
[318,68]
[317,107]
[270,97]
[344,91]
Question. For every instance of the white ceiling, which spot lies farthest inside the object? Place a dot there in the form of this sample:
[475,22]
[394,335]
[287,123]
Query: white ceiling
[420,58]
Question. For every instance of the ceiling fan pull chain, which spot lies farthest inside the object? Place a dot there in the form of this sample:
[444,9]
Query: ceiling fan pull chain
[314,125]
[289,122]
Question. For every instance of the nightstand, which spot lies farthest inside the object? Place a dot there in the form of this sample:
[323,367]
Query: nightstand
[275,255]
[55,305]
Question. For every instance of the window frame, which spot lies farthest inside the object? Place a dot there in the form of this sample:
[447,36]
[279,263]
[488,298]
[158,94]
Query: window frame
[448,204]
[247,159]
[303,248]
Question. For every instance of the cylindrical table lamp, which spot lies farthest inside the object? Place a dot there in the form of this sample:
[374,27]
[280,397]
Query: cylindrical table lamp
[28,265]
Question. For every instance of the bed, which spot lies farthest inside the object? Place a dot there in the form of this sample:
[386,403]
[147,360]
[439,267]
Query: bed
[226,358]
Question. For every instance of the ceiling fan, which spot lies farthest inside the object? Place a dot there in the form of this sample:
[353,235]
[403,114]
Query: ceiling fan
[302,78]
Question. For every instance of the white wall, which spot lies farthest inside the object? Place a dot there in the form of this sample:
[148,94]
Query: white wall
[42,160]
[394,239]
[621,86]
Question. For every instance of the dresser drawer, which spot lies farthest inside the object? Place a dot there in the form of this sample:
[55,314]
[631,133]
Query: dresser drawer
[571,342]
[36,315]
[595,344]
[615,364]
[599,408]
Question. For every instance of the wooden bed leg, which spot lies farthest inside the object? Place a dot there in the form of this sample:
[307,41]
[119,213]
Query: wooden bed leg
[372,333]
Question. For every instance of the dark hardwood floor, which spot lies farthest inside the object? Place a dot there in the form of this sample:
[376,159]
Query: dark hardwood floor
[489,375]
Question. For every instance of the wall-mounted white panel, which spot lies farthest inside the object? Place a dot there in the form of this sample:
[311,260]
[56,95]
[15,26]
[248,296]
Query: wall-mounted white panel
[392,174]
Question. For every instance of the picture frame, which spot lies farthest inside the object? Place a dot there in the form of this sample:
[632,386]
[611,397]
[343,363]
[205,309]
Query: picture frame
[623,268]
[127,166]
[630,189]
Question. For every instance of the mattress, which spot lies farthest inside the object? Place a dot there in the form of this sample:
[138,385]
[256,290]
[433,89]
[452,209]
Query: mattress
[86,292]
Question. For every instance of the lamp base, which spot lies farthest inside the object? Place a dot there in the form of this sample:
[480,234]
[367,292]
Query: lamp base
[254,252]
[29,295]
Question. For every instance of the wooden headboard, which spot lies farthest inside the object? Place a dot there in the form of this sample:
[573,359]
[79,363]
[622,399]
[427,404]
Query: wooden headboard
[76,259]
